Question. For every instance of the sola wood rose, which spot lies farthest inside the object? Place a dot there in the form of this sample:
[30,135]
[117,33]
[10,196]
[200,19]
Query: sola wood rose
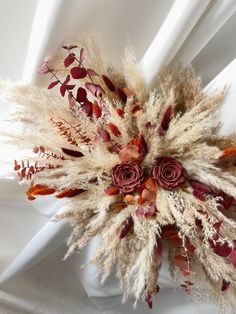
[148,171]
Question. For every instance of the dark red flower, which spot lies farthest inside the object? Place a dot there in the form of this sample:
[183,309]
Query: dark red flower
[127,176]
[168,173]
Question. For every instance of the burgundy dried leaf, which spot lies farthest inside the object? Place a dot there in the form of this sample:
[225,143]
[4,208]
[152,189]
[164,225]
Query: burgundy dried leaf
[104,134]
[225,285]
[95,89]
[109,83]
[69,60]
[51,85]
[91,72]
[78,72]
[220,249]
[126,227]
[122,95]
[200,195]
[217,225]
[202,187]
[71,152]
[72,47]
[64,88]
[148,299]
[66,80]
[87,108]
[165,121]
[81,95]
[82,55]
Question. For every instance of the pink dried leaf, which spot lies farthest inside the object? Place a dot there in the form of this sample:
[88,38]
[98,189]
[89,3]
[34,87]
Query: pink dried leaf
[104,134]
[82,55]
[91,72]
[232,256]
[95,89]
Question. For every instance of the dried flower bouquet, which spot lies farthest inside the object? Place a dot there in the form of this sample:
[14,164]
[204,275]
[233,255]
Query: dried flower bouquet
[146,170]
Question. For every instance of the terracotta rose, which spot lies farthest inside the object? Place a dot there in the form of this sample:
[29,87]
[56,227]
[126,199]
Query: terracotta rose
[127,176]
[168,173]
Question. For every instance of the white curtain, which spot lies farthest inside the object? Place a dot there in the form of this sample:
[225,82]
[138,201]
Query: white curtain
[33,278]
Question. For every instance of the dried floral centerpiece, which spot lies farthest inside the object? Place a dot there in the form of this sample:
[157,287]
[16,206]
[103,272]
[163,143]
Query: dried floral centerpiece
[145,170]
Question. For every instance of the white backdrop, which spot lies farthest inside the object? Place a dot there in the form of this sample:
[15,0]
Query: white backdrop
[34,279]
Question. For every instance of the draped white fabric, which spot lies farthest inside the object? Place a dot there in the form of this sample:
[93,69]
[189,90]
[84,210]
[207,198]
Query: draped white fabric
[34,279]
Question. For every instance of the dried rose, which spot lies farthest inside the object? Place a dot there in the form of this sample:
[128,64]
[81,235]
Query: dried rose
[168,173]
[127,176]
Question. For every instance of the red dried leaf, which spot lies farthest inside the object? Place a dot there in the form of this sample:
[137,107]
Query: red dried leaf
[16,167]
[51,85]
[70,152]
[165,121]
[97,112]
[78,72]
[81,95]
[126,227]
[225,285]
[109,83]
[87,108]
[142,145]
[91,72]
[114,129]
[69,60]
[82,55]
[122,95]
[199,195]
[225,202]
[95,89]
[120,112]
[112,190]
[158,248]
[104,134]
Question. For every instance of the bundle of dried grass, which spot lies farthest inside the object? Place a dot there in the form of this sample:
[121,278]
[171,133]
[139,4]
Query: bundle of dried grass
[145,172]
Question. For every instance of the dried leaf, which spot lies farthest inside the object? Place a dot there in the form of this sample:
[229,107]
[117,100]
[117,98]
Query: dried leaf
[109,83]
[78,72]
[69,60]
[126,227]
[104,134]
[51,85]
[114,129]
[70,152]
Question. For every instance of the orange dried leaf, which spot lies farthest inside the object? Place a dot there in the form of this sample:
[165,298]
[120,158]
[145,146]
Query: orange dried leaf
[151,185]
[129,199]
[111,190]
[114,129]
[120,112]
[231,150]
[148,196]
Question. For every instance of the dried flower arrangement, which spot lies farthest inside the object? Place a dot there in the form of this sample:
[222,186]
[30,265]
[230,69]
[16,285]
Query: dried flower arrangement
[145,170]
